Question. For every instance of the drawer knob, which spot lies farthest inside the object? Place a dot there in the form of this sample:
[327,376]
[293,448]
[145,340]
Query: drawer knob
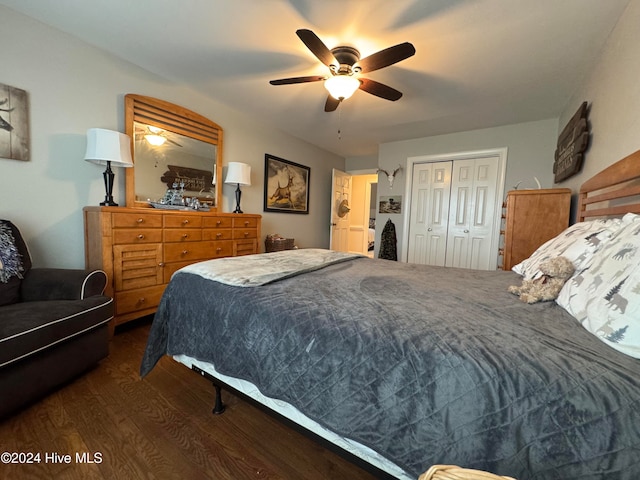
[141,300]
[246,234]
[184,252]
[218,250]
[185,235]
[218,222]
[218,235]
[141,237]
[184,222]
[246,223]
[140,220]
[161,264]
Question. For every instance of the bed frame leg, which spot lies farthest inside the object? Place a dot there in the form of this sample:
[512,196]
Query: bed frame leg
[219,406]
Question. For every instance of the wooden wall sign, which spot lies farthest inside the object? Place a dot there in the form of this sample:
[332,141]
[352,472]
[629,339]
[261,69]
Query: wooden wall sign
[572,143]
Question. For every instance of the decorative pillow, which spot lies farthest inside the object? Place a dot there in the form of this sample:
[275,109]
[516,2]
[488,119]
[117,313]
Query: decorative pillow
[578,243]
[605,295]
[11,265]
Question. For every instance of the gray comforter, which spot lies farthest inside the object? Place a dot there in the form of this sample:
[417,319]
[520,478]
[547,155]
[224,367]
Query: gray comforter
[425,365]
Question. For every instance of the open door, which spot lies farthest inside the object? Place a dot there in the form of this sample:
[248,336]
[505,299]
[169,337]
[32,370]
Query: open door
[340,207]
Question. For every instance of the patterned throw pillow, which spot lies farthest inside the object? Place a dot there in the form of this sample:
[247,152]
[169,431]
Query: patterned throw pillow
[10,258]
[578,243]
[605,294]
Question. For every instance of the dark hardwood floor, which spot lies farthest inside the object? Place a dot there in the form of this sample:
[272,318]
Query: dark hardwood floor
[160,427]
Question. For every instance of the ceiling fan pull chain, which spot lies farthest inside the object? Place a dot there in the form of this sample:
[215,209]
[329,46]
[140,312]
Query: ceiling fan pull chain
[339,124]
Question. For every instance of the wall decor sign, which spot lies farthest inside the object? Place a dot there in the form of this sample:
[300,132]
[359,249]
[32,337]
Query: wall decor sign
[286,186]
[390,204]
[572,143]
[14,123]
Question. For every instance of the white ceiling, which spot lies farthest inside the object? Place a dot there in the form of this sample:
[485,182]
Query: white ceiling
[478,63]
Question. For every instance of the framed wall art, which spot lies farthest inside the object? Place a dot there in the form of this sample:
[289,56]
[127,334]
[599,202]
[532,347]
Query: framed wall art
[14,123]
[286,186]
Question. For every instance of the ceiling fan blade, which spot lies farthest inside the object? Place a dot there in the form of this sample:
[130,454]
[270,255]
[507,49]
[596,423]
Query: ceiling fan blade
[289,81]
[331,104]
[317,47]
[386,57]
[379,89]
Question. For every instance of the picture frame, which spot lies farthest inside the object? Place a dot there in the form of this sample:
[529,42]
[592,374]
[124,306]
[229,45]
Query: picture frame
[390,204]
[14,123]
[286,186]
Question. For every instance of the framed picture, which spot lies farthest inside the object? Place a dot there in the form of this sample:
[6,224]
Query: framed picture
[391,204]
[286,186]
[14,123]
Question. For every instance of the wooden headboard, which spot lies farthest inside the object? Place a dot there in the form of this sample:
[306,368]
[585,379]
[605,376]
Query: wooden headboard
[612,192]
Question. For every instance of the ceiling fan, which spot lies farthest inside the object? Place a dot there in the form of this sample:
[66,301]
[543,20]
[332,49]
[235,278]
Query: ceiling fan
[345,66]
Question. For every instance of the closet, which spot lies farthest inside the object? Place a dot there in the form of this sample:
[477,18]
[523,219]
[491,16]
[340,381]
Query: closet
[454,213]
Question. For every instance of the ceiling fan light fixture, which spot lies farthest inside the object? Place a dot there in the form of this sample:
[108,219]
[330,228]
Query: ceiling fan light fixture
[341,87]
[155,140]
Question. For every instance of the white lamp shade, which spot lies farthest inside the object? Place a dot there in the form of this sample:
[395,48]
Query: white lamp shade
[342,87]
[238,173]
[108,146]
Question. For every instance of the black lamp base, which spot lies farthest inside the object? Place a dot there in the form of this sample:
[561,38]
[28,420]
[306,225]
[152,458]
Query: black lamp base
[108,176]
[238,195]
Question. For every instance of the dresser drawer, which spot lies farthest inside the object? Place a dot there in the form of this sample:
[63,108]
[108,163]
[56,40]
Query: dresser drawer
[245,233]
[217,234]
[142,235]
[182,221]
[138,299]
[173,267]
[244,222]
[180,252]
[182,235]
[217,222]
[245,247]
[136,220]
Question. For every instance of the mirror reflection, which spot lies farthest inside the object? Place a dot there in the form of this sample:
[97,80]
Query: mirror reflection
[166,160]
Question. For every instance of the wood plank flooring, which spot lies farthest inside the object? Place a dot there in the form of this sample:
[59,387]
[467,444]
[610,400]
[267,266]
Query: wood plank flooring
[157,428]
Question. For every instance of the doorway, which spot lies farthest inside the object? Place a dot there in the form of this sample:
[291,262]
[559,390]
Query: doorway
[354,230]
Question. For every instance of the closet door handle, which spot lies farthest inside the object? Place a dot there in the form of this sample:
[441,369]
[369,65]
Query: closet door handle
[466,231]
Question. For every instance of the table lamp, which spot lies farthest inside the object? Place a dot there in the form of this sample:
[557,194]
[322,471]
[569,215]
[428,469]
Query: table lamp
[239,174]
[106,147]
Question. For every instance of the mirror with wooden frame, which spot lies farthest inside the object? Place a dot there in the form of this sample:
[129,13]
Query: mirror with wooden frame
[172,147]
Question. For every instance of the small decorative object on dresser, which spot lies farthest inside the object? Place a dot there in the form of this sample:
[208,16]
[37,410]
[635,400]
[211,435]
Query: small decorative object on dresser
[531,218]
[140,248]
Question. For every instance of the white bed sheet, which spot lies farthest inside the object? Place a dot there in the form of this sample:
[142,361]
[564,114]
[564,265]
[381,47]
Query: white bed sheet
[293,414]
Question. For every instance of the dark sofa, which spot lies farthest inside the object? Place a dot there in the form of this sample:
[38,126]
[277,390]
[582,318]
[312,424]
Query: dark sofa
[54,323]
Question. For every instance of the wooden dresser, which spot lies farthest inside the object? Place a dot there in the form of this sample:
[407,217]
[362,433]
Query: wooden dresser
[531,217]
[140,248]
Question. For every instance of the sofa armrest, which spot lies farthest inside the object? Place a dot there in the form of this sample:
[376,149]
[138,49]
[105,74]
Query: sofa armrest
[61,284]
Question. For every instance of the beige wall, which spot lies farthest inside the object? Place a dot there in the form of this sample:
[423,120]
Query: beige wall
[73,86]
[612,88]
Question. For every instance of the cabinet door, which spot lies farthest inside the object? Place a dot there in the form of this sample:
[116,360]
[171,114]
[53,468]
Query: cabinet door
[471,213]
[429,213]
[137,266]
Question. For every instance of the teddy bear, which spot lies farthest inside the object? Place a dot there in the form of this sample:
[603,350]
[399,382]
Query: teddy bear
[555,272]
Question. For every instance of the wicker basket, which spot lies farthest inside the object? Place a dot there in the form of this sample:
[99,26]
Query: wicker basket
[451,472]
[277,244]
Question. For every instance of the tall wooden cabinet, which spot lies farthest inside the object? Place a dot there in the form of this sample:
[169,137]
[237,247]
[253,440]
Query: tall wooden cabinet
[531,217]
[140,248]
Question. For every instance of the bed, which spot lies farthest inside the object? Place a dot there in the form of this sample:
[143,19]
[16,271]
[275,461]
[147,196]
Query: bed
[406,366]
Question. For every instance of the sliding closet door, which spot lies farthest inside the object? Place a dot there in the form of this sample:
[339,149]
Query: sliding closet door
[474,184]
[431,187]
